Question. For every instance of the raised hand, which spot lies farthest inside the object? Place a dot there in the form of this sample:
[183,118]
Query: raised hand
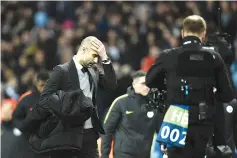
[99,47]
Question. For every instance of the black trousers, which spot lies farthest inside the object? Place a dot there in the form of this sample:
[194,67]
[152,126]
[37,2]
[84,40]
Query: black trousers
[89,147]
[196,142]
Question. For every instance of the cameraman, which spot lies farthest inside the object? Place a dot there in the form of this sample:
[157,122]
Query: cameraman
[130,123]
[225,120]
[189,74]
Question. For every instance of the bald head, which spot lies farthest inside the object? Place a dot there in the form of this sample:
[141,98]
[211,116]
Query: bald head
[87,54]
[86,43]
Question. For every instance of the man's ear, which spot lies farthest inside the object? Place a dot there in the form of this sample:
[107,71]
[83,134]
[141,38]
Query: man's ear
[133,84]
[182,33]
[203,36]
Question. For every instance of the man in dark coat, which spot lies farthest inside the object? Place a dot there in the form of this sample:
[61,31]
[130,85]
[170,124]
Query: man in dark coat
[81,73]
[20,146]
[225,125]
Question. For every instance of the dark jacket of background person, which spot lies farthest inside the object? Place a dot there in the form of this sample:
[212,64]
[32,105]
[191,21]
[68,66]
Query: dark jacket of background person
[65,78]
[128,124]
[25,105]
[20,145]
[225,115]
[107,96]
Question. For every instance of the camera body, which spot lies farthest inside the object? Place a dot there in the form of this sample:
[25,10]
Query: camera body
[156,100]
[217,36]
[222,44]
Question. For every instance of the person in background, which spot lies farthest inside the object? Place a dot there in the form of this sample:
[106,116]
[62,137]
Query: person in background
[20,146]
[29,99]
[129,123]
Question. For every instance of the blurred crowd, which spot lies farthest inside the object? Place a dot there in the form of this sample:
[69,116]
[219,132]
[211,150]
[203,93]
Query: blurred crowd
[39,35]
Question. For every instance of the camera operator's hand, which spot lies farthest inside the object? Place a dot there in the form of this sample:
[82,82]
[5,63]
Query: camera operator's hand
[163,148]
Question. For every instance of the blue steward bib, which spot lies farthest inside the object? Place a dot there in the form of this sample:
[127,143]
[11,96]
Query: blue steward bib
[174,128]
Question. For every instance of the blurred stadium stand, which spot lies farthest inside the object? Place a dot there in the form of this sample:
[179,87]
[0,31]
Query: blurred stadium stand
[39,35]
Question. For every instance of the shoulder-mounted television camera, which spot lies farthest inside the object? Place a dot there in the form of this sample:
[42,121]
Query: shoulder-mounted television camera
[219,36]
[217,39]
[221,42]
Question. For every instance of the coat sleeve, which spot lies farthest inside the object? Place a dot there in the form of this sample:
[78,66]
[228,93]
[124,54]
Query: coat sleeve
[224,88]
[111,122]
[53,84]
[156,74]
[21,110]
[108,78]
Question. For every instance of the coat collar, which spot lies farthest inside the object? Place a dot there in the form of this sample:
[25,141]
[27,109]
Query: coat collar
[75,78]
[191,40]
[73,74]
